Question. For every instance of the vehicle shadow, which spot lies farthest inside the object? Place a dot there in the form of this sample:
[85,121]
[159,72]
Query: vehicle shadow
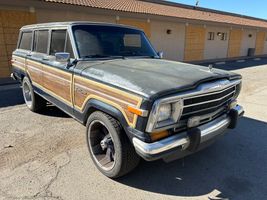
[235,166]
[53,111]
[13,96]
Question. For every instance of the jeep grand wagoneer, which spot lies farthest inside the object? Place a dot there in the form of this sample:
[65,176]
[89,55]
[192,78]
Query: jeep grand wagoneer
[133,103]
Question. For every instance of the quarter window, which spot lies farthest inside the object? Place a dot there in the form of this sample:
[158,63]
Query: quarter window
[41,41]
[60,42]
[26,41]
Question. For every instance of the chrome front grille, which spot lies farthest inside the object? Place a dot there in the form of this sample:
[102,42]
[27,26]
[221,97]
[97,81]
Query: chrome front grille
[207,103]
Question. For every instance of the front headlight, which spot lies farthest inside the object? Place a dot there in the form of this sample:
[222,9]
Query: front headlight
[164,113]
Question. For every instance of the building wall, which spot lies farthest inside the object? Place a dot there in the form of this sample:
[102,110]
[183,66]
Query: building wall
[216,48]
[52,15]
[260,42]
[195,36]
[171,44]
[184,43]
[248,41]
[265,47]
[234,44]
[10,23]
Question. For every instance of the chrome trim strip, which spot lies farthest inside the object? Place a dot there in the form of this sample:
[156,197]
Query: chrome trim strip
[208,131]
[205,109]
[214,100]
[211,93]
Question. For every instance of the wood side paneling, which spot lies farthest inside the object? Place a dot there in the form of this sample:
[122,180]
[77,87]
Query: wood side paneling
[54,80]
[260,41]
[234,46]
[194,43]
[141,24]
[10,23]
[84,90]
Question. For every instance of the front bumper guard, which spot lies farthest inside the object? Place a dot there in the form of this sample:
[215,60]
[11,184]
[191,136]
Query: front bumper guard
[184,140]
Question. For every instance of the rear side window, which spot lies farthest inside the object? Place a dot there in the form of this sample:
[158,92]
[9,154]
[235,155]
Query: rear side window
[60,42]
[41,41]
[26,41]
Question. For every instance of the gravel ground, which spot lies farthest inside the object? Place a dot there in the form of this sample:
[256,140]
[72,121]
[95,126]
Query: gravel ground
[44,156]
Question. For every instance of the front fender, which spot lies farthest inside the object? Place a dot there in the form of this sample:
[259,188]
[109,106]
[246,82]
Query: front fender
[94,105]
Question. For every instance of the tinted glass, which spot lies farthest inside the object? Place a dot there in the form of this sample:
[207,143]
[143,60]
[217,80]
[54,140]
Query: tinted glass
[41,41]
[26,41]
[69,47]
[95,41]
[60,42]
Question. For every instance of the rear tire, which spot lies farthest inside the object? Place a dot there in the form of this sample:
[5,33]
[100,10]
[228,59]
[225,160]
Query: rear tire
[32,100]
[109,146]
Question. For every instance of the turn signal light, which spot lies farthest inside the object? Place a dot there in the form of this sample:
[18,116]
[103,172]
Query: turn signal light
[158,135]
[137,111]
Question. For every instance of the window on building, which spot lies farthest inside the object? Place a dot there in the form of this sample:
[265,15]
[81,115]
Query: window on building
[211,35]
[60,42]
[26,41]
[223,36]
[41,41]
[132,40]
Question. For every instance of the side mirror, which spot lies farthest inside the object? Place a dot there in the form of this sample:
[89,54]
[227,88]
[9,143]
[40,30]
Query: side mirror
[160,54]
[63,57]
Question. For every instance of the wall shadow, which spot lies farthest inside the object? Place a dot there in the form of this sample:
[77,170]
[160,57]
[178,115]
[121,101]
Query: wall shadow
[11,97]
[235,166]
[233,65]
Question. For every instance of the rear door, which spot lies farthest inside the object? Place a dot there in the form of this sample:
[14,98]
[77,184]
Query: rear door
[35,58]
[57,77]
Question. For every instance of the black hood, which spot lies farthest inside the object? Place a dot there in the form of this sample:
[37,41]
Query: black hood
[149,77]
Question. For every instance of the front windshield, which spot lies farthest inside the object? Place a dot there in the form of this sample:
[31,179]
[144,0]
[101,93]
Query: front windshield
[97,41]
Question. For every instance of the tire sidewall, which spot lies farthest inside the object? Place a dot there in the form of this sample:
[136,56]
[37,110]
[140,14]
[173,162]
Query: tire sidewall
[27,81]
[116,141]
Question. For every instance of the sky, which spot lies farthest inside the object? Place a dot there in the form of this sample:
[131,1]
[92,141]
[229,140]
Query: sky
[254,8]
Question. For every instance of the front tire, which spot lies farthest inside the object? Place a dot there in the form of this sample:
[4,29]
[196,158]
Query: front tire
[109,147]
[32,100]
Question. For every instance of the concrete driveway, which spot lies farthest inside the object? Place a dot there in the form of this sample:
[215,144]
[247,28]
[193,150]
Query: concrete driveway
[44,156]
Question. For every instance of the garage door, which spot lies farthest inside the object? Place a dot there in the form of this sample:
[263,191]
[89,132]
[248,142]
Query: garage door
[141,24]
[235,40]
[194,43]
[260,41]
[10,23]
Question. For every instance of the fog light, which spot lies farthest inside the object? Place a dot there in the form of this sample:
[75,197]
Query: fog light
[193,122]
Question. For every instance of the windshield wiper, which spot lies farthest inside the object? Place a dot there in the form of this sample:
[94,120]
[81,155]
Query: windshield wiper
[103,56]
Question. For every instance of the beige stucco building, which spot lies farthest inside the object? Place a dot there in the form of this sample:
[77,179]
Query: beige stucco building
[182,32]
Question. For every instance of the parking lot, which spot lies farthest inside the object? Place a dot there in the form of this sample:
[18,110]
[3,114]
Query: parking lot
[44,156]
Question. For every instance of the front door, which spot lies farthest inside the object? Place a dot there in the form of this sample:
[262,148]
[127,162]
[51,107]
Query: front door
[57,77]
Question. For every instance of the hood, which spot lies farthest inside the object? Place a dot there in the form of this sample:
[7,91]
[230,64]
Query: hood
[149,77]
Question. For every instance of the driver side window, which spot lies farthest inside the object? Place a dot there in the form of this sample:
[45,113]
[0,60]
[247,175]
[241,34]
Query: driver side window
[60,42]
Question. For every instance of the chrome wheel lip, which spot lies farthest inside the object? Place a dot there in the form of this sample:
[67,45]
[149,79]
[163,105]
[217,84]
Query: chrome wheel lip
[90,146]
[27,94]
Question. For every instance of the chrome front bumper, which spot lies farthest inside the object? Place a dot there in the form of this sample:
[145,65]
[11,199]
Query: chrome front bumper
[208,131]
